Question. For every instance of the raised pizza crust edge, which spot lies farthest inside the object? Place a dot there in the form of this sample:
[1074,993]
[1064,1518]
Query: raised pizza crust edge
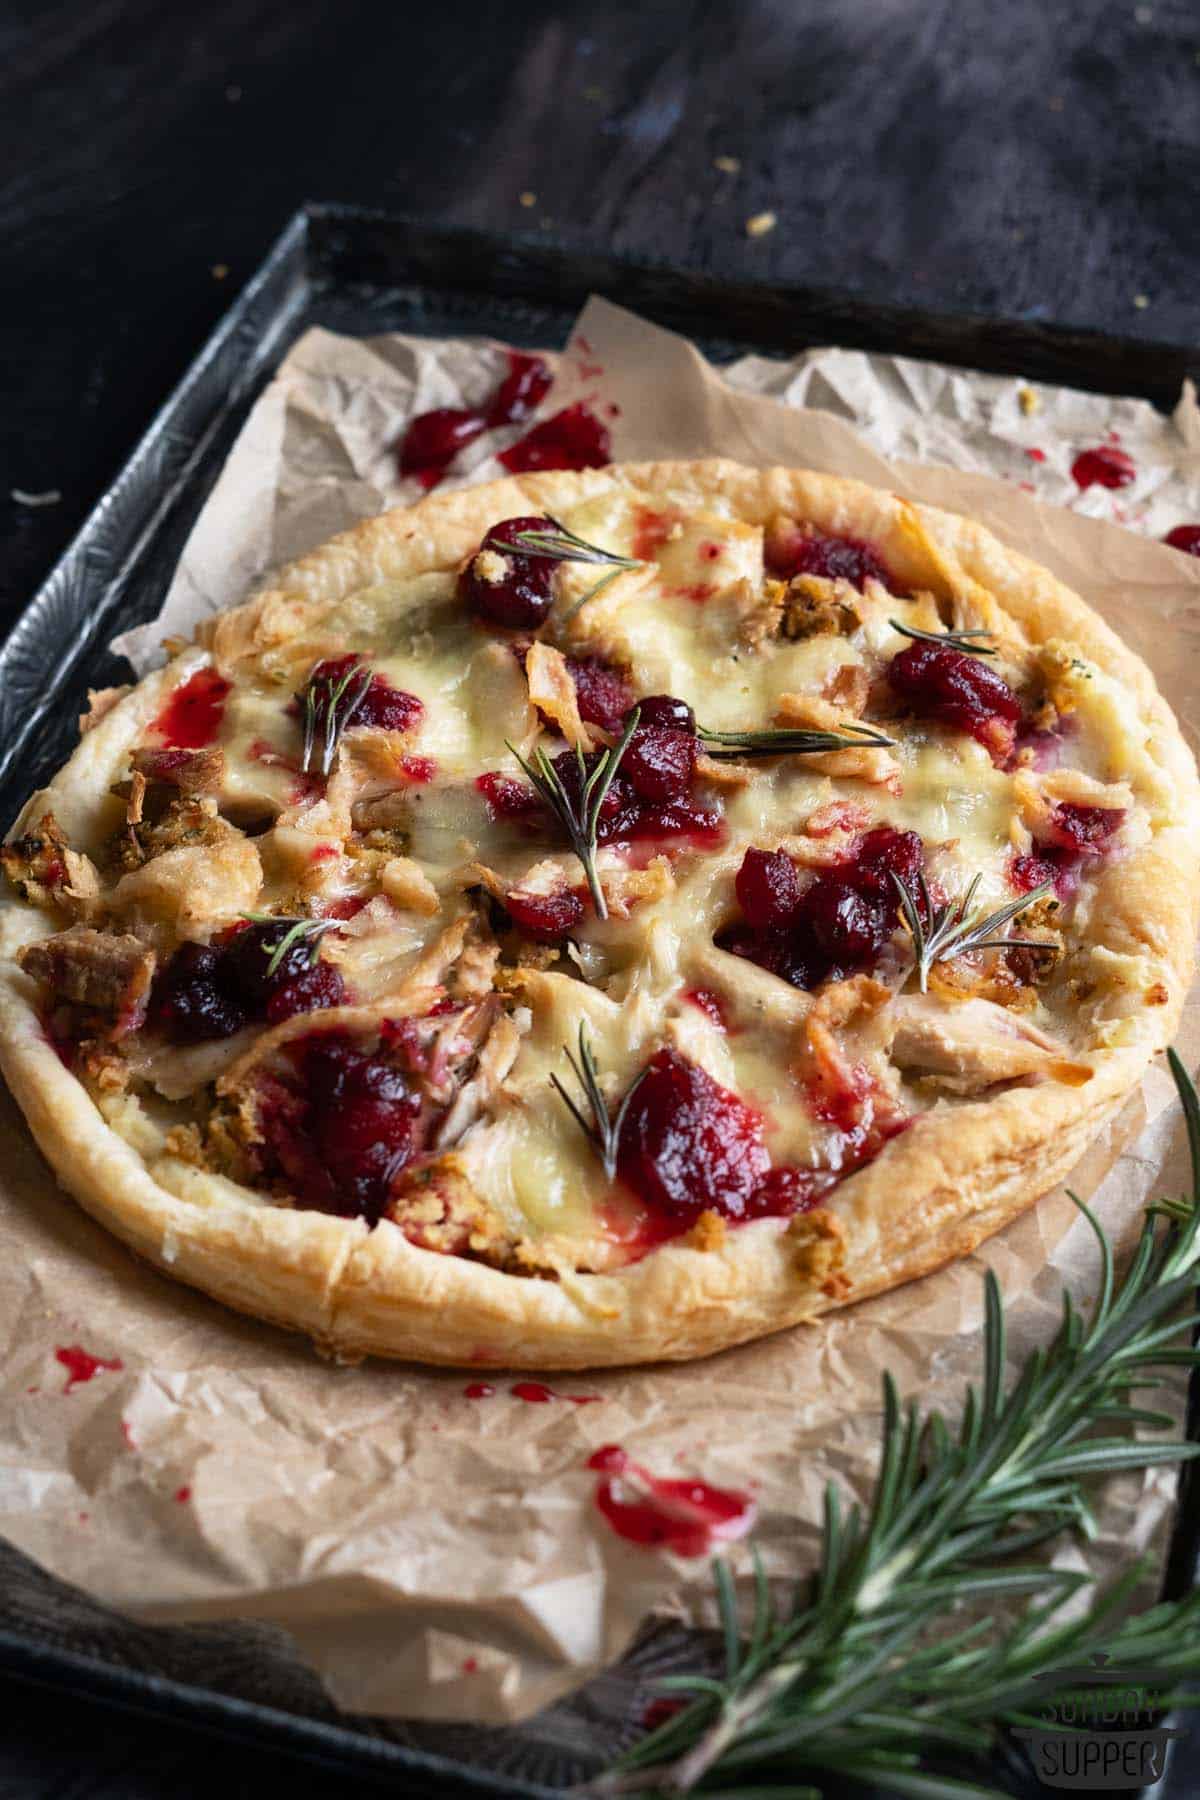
[952,1180]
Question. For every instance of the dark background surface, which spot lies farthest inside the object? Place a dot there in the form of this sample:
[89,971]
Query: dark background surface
[1032,160]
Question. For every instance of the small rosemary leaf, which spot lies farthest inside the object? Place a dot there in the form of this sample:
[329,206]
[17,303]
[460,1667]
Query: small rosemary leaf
[955,640]
[783,741]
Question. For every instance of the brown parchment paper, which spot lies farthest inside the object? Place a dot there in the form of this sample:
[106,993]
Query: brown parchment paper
[440,1557]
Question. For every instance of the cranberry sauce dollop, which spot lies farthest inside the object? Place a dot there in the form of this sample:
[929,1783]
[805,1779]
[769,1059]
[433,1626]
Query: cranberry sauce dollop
[1073,834]
[794,549]
[1103,467]
[686,1516]
[192,716]
[434,439]
[346,1127]
[505,586]
[571,439]
[839,925]
[1185,538]
[955,689]
[381,705]
[689,1145]
[651,796]
[212,990]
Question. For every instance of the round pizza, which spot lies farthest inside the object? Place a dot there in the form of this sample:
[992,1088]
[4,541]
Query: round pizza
[598,917]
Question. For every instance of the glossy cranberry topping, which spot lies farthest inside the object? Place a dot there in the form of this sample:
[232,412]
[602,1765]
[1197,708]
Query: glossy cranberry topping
[212,990]
[434,439]
[506,587]
[571,439]
[379,704]
[944,684]
[508,798]
[1071,835]
[1184,537]
[192,716]
[792,549]
[684,1516]
[1103,467]
[659,763]
[343,1135]
[546,917]
[602,693]
[689,1145]
[842,922]
[664,712]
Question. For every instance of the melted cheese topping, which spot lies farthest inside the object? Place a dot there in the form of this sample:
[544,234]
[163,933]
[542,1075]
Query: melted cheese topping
[694,621]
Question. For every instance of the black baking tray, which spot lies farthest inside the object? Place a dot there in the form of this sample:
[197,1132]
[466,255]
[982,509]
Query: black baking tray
[362,272]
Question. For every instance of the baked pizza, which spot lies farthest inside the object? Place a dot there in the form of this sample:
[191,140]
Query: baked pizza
[598,917]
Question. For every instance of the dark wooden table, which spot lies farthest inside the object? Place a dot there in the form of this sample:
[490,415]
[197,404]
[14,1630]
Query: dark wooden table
[1030,159]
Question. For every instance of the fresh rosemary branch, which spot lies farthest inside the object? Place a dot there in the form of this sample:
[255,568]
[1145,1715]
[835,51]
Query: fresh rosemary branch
[957,640]
[559,545]
[734,745]
[862,1678]
[329,707]
[580,819]
[939,932]
[309,932]
[601,1131]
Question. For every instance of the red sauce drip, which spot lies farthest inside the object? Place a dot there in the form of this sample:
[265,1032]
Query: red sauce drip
[1103,467]
[687,1517]
[651,531]
[470,1665]
[709,1004]
[478,1390]
[345,908]
[81,1365]
[536,1393]
[192,716]
[323,853]
[573,438]
[433,439]
[183,1494]
[696,591]
[1185,538]
[1038,456]
[419,768]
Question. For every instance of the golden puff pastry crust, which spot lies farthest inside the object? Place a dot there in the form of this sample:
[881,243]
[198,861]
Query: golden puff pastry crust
[888,1129]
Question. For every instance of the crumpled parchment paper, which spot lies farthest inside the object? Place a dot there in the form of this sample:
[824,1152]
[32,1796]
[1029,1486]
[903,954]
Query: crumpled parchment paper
[441,1557]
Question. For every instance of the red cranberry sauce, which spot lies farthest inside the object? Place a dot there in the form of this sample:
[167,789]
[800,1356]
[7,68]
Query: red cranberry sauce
[1072,835]
[839,925]
[685,1516]
[434,439]
[519,592]
[192,716]
[81,1365]
[378,704]
[1185,538]
[958,690]
[1103,467]
[546,917]
[689,1145]
[346,1127]
[602,693]
[651,796]
[571,439]
[212,990]
[794,549]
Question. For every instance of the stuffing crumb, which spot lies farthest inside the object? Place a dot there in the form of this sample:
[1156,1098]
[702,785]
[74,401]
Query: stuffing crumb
[758,224]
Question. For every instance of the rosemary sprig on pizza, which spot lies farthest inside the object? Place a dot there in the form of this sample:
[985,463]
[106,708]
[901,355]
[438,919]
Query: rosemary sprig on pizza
[856,849]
